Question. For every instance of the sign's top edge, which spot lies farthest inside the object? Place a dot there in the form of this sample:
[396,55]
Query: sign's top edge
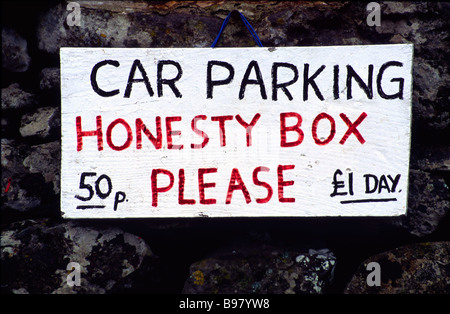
[259,48]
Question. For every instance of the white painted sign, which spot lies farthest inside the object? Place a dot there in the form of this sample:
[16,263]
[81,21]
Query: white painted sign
[235,132]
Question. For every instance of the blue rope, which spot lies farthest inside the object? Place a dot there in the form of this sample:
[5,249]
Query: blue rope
[247,24]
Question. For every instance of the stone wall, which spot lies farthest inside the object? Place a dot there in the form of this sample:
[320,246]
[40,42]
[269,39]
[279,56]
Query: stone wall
[314,255]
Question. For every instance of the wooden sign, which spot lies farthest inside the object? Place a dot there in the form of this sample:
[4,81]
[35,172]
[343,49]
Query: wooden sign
[235,132]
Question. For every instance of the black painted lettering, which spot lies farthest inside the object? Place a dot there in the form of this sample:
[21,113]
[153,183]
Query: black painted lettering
[94,84]
[367,88]
[383,184]
[137,64]
[400,80]
[210,83]
[169,82]
[337,184]
[276,85]
[336,82]
[394,181]
[307,80]
[259,80]
[371,189]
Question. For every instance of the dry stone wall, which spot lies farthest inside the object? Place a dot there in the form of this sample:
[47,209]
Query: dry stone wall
[326,255]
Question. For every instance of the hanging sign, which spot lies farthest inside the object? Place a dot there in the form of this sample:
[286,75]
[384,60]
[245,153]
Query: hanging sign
[235,132]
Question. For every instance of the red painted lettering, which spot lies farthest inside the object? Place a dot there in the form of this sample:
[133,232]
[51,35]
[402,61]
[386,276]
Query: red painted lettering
[199,132]
[222,120]
[256,181]
[181,199]
[202,185]
[282,183]
[155,188]
[248,127]
[295,128]
[109,133]
[156,141]
[322,116]
[98,132]
[170,132]
[352,128]
[236,183]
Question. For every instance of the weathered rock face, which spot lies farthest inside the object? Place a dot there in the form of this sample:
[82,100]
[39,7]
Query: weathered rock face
[16,192]
[30,143]
[262,270]
[421,268]
[30,178]
[13,97]
[14,51]
[428,203]
[49,79]
[43,123]
[35,255]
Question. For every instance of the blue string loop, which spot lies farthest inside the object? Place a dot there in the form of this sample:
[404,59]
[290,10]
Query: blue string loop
[247,24]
